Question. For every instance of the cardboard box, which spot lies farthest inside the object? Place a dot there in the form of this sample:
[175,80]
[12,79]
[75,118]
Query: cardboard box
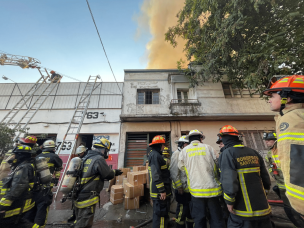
[145,172]
[131,203]
[125,171]
[116,195]
[132,191]
[147,165]
[125,180]
[136,178]
[138,168]
[119,179]
[111,183]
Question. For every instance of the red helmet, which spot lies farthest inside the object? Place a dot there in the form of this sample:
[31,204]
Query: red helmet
[28,140]
[52,72]
[294,83]
[229,130]
[158,139]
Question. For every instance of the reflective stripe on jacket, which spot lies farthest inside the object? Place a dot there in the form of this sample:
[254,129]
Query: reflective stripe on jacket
[178,177]
[198,162]
[290,131]
[244,177]
[273,158]
[159,175]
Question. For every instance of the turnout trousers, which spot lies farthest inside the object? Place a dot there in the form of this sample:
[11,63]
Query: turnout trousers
[38,215]
[237,222]
[161,210]
[293,216]
[84,216]
[202,207]
[183,215]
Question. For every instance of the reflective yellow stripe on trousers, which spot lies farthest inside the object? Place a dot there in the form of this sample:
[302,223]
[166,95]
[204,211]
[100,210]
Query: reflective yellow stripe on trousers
[87,203]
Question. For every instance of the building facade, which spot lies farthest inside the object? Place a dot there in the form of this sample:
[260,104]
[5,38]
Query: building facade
[160,102]
[101,119]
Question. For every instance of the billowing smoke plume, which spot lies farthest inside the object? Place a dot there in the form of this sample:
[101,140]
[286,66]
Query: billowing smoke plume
[157,16]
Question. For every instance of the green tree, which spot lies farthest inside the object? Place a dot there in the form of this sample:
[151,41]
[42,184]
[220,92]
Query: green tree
[249,41]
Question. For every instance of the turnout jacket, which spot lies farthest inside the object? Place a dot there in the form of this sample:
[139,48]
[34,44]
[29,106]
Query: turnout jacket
[94,166]
[244,178]
[198,161]
[290,132]
[54,161]
[272,160]
[178,177]
[159,175]
[17,190]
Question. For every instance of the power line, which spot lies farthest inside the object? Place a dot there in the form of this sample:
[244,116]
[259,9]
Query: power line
[102,44]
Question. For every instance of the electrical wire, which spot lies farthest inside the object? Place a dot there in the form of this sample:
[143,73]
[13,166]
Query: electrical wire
[102,44]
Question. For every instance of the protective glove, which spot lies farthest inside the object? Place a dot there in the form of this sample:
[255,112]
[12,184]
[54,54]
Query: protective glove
[118,172]
[180,191]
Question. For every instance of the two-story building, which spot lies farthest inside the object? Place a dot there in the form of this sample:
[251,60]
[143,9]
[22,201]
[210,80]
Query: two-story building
[160,102]
[53,118]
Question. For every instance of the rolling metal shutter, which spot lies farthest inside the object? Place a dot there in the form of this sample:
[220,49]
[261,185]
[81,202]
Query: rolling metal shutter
[136,148]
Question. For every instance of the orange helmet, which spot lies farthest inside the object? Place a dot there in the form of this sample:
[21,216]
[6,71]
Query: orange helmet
[287,86]
[294,83]
[52,72]
[229,130]
[158,139]
[28,140]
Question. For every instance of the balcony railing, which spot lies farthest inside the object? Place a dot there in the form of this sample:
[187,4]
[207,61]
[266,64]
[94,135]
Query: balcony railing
[185,101]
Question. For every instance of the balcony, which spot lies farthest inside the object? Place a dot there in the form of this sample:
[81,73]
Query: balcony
[185,107]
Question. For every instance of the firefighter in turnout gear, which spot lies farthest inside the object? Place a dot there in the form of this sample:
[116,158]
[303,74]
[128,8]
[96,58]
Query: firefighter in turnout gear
[5,166]
[160,183]
[198,161]
[43,195]
[179,182]
[166,156]
[94,171]
[17,189]
[273,163]
[244,178]
[287,97]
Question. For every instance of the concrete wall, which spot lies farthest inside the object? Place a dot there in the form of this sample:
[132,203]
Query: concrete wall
[209,128]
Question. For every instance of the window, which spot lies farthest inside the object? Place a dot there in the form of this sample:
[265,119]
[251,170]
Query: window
[182,95]
[254,140]
[230,91]
[148,96]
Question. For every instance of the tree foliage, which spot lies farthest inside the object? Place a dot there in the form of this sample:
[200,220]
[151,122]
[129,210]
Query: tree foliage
[249,41]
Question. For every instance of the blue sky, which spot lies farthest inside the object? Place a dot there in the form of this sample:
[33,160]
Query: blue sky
[61,34]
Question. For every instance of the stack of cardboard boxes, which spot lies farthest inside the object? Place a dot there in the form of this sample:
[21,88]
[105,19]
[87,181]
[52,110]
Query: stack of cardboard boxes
[132,186]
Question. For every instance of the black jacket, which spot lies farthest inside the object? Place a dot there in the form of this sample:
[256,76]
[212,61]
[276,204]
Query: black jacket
[17,188]
[244,178]
[54,161]
[94,165]
[159,175]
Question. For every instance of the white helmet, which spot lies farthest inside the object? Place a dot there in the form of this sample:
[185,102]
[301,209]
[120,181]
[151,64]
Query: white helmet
[182,139]
[81,149]
[49,144]
[195,132]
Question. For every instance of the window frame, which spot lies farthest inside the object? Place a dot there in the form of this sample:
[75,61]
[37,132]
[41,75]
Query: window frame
[153,91]
[237,92]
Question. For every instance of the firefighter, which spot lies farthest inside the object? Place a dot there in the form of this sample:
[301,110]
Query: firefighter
[5,168]
[17,189]
[43,195]
[244,178]
[54,76]
[179,182]
[81,151]
[219,141]
[160,183]
[198,161]
[287,97]
[273,163]
[166,156]
[95,171]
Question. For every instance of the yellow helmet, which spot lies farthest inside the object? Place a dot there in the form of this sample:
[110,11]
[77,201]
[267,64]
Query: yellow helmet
[166,151]
[102,143]
[23,149]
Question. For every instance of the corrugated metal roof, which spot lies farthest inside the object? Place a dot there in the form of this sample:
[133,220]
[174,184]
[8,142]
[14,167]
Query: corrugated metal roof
[6,88]
[111,87]
[68,89]
[64,102]
[94,101]
[110,101]
[50,87]
[3,102]
[24,88]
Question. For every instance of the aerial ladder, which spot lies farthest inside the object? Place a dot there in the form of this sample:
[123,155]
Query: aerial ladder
[41,88]
[76,122]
